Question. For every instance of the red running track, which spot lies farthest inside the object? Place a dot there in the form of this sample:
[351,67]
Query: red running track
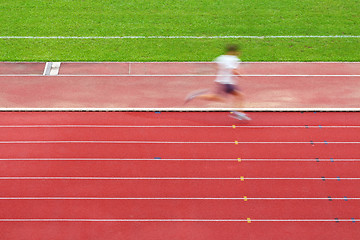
[165,85]
[290,175]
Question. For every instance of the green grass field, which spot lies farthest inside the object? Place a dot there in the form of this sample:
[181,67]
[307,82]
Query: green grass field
[179,18]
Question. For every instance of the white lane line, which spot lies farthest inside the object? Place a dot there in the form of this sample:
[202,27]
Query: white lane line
[108,126]
[160,142]
[115,178]
[197,110]
[170,126]
[301,160]
[193,75]
[173,178]
[184,75]
[171,220]
[169,198]
[176,37]
[189,159]
[114,159]
[108,142]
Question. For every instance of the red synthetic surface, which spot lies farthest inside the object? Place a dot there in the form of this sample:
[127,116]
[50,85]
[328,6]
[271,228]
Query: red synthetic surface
[130,91]
[22,68]
[330,164]
[140,68]
[185,231]
[209,160]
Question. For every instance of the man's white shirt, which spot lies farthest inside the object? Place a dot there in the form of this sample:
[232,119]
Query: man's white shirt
[226,65]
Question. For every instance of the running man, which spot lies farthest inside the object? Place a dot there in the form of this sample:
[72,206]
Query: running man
[225,85]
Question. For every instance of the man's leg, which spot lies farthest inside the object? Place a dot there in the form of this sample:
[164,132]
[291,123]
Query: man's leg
[238,99]
[238,102]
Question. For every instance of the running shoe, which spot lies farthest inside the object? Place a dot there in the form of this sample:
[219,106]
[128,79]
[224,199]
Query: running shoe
[240,116]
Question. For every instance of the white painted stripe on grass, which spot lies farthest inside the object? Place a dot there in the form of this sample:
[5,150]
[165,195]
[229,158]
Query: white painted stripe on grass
[171,220]
[178,37]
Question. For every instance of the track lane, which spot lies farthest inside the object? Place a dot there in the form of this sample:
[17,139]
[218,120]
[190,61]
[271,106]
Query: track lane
[200,150]
[178,209]
[180,188]
[181,134]
[319,188]
[182,230]
[183,118]
[85,91]
[163,168]
[172,68]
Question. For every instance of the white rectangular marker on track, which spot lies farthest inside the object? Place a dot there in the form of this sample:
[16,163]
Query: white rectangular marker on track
[55,67]
[47,68]
[52,68]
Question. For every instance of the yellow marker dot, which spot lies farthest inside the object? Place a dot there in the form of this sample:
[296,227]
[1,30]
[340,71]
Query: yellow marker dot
[231,112]
[233,126]
[242,178]
[248,220]
[245,198]
[236,142]
[239,159]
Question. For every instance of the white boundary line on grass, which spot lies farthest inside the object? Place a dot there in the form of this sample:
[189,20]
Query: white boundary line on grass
[193,62]
[177,37]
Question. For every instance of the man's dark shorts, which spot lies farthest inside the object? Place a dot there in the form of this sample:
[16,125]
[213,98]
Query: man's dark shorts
[228,88]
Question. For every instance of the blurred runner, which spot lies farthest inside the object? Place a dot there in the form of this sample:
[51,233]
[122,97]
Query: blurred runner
[225,84]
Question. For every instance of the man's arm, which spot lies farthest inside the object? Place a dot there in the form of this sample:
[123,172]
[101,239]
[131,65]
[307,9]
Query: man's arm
[236,72]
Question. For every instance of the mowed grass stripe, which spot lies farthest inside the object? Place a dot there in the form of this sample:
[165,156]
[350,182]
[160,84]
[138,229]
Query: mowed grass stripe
[178,18]
[59,50]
